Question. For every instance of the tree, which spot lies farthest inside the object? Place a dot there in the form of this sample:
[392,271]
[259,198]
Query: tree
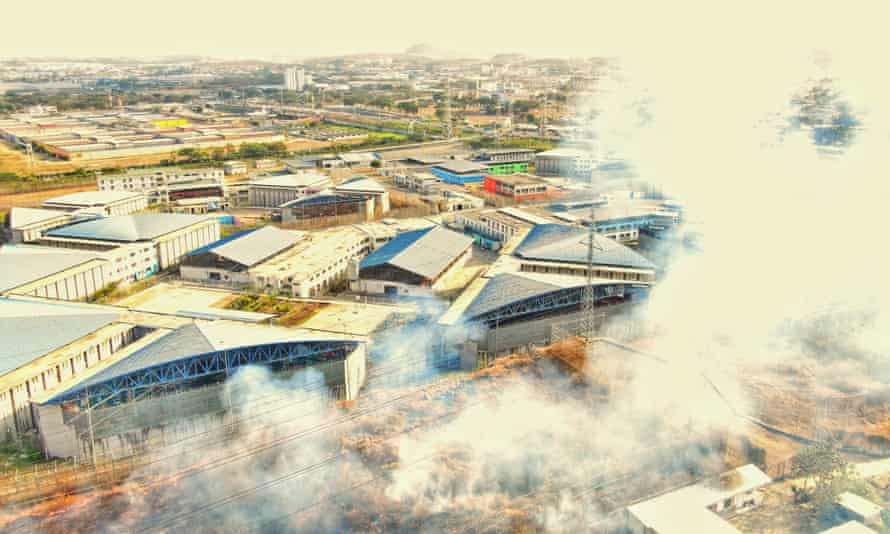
[822,465]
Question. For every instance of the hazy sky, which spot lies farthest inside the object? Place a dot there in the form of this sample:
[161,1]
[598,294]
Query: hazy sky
[294,28]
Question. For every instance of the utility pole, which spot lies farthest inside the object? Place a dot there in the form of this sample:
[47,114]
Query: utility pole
[90,426]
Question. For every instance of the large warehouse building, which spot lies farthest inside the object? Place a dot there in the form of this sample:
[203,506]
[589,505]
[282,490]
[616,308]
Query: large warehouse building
[23,225]
[165,236]
[537,286]
[64,368]
[104,203]
[274,191]
[273,260]
[52,273]
[414,264]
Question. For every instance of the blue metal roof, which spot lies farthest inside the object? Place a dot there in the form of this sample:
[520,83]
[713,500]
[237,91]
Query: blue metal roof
[561,243]
[183,342]
[425,252]
[31,329]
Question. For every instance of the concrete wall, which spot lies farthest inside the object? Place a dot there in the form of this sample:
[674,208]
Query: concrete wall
[202,274]
[172,247]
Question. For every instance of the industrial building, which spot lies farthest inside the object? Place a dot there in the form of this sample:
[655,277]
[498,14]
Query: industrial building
[519,187]
[52,273]
[459,172]
[327,206]
[623,219]
[571,162]
[157,183]
[560,249]
[104,203]
[538,285]
[506,161]
[495,227]
[92,135]
[421,182]
[269,259]
[24,225]
[66,367]
[274,191]
[47,343]
[414,264]
[234,167]
[165,236]
[363,187]
[697,508]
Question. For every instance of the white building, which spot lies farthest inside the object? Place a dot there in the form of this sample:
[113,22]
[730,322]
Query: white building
[51,273]
[273,191]
[157,183]
[695,508]
[294,79]
[234,167]
[104,203]
[24,225]
[145,243]
[572,162]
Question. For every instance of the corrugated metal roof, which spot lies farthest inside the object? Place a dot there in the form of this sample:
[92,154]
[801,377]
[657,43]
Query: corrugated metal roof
[425,252]
[460,166]
[22,264]
[92,198]
[561,243]
[128,228]
[506,288]
[30,329]
[257,246]
[181,343]
[361,184]
[303,179]
[19,217]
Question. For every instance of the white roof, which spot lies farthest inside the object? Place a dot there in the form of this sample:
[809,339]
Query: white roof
[858,505]
[685,510]
[92,198]
[850,527]
[19,217]
[303,179]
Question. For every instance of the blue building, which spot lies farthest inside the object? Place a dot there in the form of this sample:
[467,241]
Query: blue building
[459,172]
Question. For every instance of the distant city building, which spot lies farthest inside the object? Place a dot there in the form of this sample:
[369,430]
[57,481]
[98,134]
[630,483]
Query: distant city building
[294,79]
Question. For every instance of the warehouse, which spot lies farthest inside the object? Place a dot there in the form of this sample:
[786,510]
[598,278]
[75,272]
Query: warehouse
[52,273]
[24,225]
[561,249]
[170,236]
[156,183]
[519,187]
[624,219]
[328,208]
[506,161]
[459,171]
[169,383]
[571,162]
[414,264]
[500,225]
[274,191]
[229,260]
[317,264]
[104,203]
[363,187]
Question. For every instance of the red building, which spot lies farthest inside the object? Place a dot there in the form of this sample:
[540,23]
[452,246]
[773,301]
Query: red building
[519,187]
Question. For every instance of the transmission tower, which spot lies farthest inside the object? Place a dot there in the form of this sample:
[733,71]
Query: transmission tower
[588,303]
